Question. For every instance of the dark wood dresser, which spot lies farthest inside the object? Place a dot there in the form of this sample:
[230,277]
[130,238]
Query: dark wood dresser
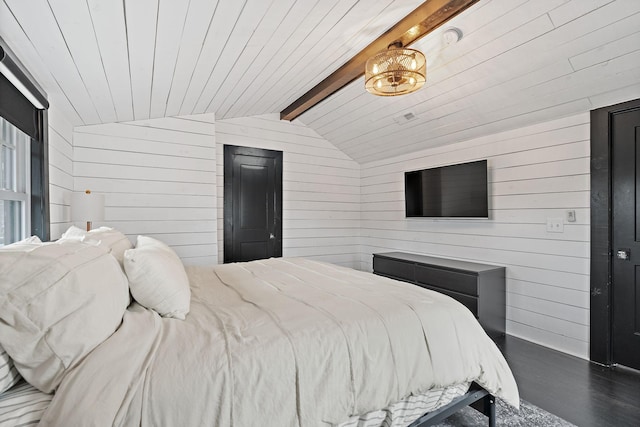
[480,287]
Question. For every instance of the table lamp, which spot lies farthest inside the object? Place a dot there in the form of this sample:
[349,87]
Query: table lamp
[87,206]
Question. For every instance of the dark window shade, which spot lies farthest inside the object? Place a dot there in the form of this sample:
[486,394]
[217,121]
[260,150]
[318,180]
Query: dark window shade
[16,109]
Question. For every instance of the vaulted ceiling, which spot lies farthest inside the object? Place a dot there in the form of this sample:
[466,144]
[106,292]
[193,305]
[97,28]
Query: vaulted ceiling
[519,62]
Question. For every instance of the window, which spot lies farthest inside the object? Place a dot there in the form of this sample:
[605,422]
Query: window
[24,172]
[14,183]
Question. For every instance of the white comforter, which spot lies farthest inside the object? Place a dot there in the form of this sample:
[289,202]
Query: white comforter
[279,342]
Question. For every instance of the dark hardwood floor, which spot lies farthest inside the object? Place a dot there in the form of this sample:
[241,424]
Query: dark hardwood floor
[581,392]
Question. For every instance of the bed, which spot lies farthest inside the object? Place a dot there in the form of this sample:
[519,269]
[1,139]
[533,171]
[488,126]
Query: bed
[277,342]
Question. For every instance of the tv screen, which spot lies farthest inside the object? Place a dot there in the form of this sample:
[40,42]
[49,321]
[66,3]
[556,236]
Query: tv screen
[448,191]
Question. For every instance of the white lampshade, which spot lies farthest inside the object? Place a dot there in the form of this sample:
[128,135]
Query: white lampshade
[87,207]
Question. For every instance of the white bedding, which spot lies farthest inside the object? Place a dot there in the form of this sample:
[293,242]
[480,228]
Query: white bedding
[280,342]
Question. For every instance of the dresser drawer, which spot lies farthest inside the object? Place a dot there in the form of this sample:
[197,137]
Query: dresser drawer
[479,287]
[396,269]
[470,302]
[446,279]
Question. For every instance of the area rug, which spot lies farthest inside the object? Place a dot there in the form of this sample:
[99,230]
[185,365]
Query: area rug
[528,416]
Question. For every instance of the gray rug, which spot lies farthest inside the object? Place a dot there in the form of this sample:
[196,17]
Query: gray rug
[528,416]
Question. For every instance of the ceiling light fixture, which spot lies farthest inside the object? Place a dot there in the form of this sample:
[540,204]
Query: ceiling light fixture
[395,71]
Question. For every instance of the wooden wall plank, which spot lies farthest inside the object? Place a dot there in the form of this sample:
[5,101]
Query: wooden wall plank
[158,177]
[74,22]
[612,97]
[254,77]
[109,29]
[124,158]
[293,46]
[577,298]
[606,52]
[131,144]
[150,133]
[60,172]
[141,18]
[126,186]
[169,37]
[573,9]
[230,74]
[571,345]
[222,24]
[197,25]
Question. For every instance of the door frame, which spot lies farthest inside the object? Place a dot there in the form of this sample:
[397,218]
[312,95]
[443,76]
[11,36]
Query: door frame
[601,284]
[228,151]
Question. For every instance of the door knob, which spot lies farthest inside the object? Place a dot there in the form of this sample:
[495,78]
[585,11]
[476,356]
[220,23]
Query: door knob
[623,254]
[271,236]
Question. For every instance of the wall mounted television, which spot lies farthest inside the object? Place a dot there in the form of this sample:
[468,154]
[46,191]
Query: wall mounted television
[455,191]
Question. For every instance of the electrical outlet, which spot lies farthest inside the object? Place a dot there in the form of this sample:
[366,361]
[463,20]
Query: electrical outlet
[571,216]
[555,225]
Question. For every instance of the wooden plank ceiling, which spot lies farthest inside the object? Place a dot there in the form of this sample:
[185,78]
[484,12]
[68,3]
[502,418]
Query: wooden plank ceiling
[519,62]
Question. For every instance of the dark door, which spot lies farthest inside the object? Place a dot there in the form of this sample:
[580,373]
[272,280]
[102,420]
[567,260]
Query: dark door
[252,203]
[626,238]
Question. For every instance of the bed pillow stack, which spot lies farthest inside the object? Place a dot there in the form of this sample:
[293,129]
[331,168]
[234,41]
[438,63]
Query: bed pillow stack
[58,301]
[112,240]
[157,278]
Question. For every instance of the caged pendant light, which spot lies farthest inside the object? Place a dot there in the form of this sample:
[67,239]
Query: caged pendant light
[395,71]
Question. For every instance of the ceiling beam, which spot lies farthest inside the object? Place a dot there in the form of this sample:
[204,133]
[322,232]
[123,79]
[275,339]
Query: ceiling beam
[425,18]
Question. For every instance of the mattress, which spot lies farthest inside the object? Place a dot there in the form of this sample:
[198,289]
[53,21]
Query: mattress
[22,405]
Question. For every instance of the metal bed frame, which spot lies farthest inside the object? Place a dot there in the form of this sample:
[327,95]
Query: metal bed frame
[477,397]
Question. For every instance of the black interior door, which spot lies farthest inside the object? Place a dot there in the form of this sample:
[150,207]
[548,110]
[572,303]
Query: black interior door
[626,238]
[252,203]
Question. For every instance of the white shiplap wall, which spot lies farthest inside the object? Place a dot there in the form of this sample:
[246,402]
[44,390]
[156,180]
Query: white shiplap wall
[321,187]
[158,177]
[60,171]
[536,172]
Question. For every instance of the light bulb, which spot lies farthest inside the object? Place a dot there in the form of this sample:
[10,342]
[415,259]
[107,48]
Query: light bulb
[375,68]
[412,81]
[414,64]
[379,84]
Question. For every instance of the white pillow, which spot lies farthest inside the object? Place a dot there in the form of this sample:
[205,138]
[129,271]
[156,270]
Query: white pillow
[157,278]
[9,375]
[111,239]
[59,301]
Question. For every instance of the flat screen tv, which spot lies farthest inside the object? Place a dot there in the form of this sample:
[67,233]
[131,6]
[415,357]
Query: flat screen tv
[455,191]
